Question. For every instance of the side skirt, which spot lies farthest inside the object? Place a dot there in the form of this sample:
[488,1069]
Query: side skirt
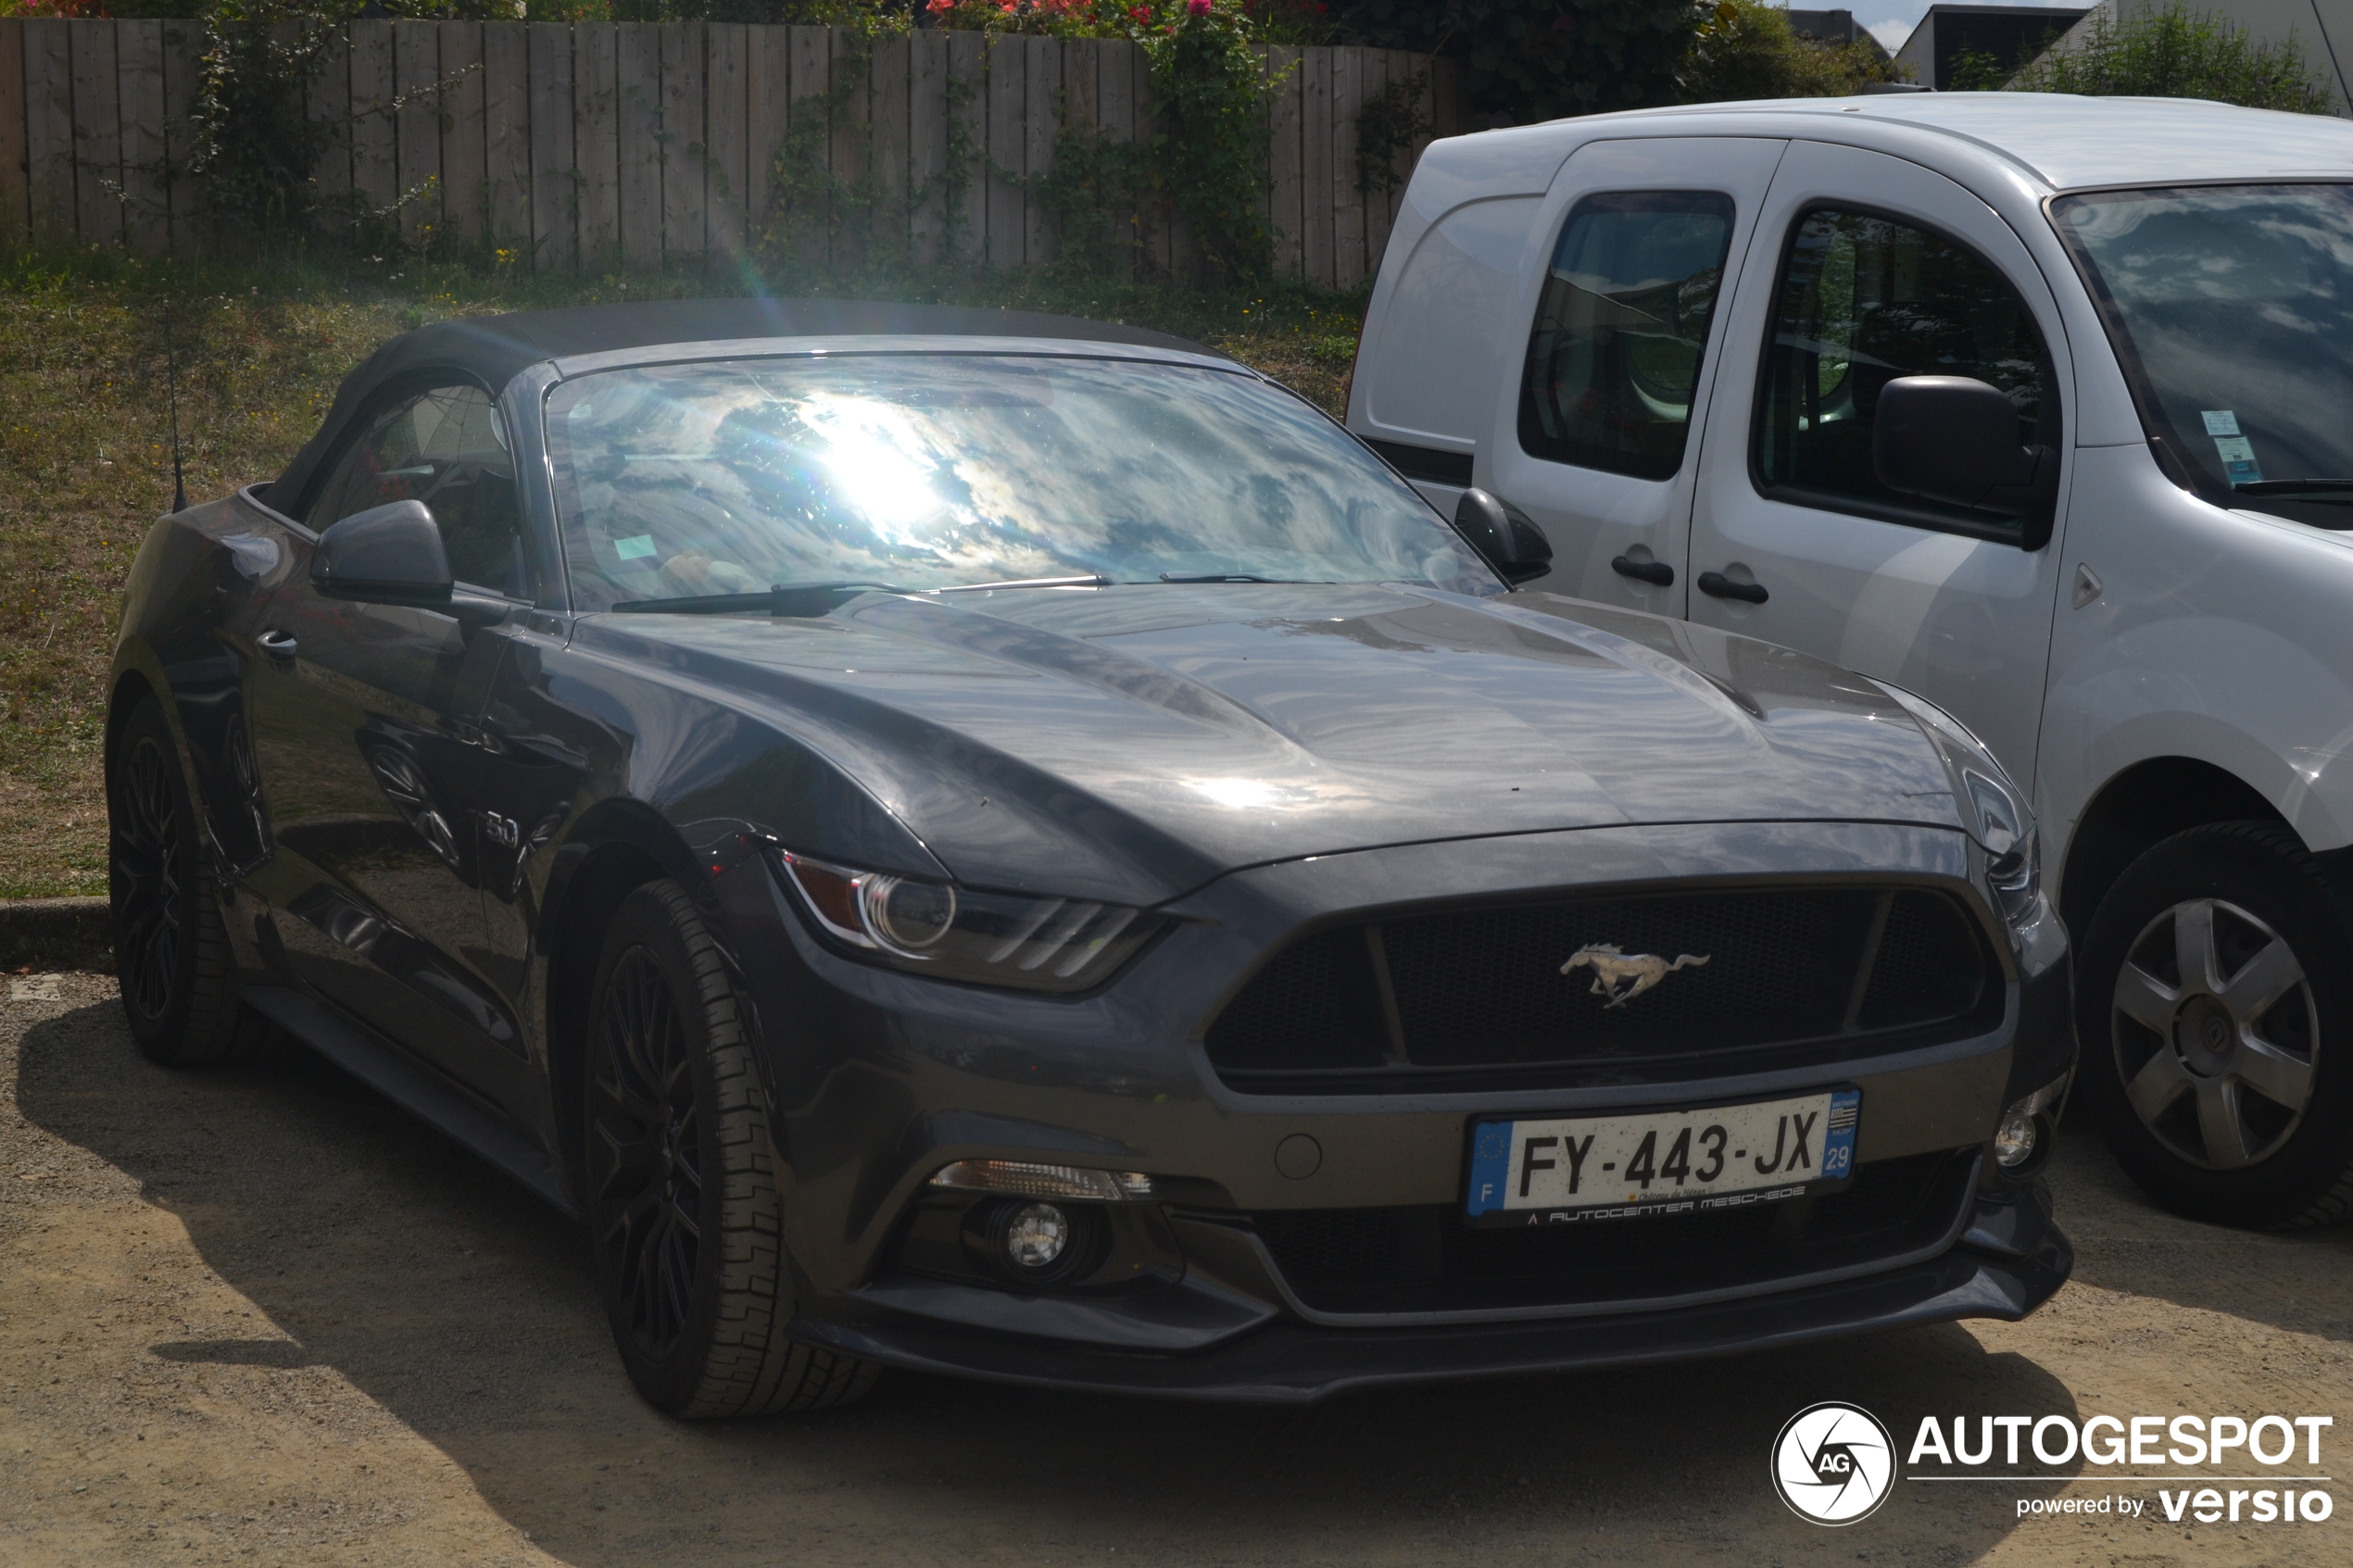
[415,1088]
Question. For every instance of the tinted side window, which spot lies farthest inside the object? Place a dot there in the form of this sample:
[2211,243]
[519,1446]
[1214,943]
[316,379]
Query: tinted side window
[1615,349]
[1864,300]
[447,448]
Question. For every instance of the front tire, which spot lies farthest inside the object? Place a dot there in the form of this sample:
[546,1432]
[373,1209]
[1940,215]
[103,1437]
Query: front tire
[172,955]
[682,1200]
[2214,1007]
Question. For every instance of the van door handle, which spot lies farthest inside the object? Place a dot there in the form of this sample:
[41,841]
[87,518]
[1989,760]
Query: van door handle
[277,644]
[1656,572]
[1717,585]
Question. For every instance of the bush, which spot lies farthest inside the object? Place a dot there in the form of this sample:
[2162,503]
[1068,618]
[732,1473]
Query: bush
[2178,53]
[1747,49]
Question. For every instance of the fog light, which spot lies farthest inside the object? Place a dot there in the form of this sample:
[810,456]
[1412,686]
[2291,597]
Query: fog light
[2014,1144]
[1037,1236]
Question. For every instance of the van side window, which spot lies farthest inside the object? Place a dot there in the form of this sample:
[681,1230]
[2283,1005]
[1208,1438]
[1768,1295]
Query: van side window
[1615,348]
[447,448]
[1863,300]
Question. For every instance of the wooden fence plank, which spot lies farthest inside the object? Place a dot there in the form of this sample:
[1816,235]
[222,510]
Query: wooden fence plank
[416,73]
[1166,247]
[506,135]
[1447,113]
[638,112]
[926,145]
[1042,99]
[727,51]
[683,174]
[1282,160]
[887,75]
[462,165]
[375,163]
[1081,105]
[1315,164]
[1376,199]
[48,127]
[16,220]
[98,136]
[595,150]
[326,97]
[769,108]
[852,150]
[1008,75]
[811,77]
[968,169]
[555,192]
[146,219]
[1116,115]
[1347,202]
[182,47]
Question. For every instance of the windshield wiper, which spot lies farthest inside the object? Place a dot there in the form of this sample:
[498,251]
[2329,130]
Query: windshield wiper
[1091,580]
[1224,577]
[784,598]
[2327,492]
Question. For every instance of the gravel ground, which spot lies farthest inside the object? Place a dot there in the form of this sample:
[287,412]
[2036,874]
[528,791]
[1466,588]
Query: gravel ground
[260,1316]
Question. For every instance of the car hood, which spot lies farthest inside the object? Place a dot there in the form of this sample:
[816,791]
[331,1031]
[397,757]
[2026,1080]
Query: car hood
[1135,742]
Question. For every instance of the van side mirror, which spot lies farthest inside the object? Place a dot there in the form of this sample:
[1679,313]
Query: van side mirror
[387,555]
[1954,439]
[1504,534]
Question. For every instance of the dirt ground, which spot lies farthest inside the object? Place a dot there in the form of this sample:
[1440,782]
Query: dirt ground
[261,1317]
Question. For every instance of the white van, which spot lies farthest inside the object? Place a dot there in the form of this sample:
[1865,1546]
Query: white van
[2039,407]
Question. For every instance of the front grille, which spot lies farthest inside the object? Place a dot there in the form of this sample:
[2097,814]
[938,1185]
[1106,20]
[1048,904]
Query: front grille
[1427,1258]
[1478,997]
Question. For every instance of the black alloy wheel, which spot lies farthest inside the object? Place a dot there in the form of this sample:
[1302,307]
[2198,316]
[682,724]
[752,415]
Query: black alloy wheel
[2214,993]
[648,1145]
[171,955]
[682,1191]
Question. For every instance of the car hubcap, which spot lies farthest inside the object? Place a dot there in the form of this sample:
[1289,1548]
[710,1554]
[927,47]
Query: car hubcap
[2215,1033]
[645,1141]
[145,858]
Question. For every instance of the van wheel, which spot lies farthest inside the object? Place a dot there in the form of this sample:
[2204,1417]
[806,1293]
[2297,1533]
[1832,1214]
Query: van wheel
[170,954]
[2214,998]
[683,1201]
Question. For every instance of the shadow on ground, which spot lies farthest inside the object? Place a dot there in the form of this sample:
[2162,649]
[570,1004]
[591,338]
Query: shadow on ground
[465,1309]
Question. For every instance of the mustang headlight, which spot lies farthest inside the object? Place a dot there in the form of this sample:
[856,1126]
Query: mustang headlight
[1999,819]
[961,934]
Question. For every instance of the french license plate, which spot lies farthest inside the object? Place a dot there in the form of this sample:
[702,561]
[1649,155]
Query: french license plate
[1669,1162]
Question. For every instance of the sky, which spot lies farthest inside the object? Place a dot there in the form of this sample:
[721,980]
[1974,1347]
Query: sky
[1891,21]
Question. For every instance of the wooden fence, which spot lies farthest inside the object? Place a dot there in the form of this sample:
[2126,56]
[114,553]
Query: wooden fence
[600,146]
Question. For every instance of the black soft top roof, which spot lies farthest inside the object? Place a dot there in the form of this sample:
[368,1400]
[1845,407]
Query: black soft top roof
[491,349]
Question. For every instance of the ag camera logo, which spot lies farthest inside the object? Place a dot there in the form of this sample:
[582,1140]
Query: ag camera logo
[1833,1464]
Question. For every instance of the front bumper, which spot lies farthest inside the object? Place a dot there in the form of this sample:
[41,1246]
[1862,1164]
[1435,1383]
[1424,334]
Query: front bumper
[2011,1262]
[881,1078]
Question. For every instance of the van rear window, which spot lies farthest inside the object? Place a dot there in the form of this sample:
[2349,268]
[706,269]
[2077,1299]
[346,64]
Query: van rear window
[1615,348]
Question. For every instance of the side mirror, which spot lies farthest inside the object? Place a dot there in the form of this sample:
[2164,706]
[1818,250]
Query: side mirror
[1501,532]
[1954,439]
[389,555]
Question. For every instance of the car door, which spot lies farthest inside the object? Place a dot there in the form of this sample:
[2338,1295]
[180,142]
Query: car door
[1592,437]
[364,720]
[1867,268]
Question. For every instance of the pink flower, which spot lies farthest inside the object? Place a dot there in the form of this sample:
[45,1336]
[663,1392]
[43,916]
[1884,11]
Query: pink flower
[1197,8]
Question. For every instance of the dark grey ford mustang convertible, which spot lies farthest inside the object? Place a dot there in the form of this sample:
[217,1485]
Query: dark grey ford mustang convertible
[1015,847]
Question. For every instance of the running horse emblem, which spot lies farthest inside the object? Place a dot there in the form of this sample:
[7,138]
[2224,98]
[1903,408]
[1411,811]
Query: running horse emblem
[1621,976]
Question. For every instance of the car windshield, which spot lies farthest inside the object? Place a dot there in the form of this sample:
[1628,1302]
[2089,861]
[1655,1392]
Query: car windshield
[2233,306]
[942,471]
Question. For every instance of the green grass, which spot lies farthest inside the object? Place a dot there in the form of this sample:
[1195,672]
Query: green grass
[86,443]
